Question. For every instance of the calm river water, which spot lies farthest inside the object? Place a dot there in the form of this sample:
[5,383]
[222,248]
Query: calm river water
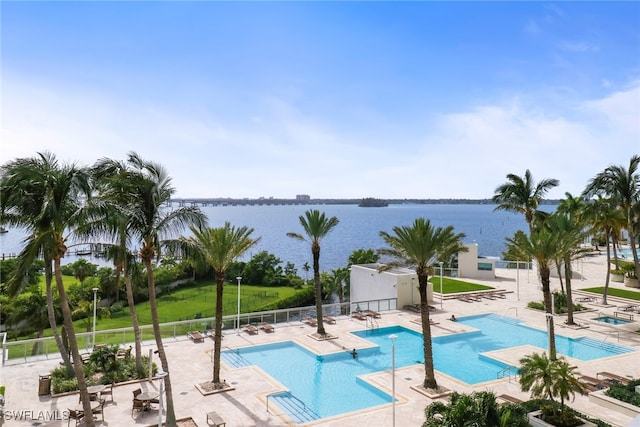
[358,228]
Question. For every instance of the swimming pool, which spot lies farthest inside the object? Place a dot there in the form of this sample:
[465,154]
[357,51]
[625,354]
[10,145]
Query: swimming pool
[612,320]
[324,386]
[625,253]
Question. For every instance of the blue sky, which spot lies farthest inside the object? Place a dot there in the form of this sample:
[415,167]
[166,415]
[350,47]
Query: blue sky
[330,99]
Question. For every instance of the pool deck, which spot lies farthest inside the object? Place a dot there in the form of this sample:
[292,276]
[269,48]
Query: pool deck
[246,405]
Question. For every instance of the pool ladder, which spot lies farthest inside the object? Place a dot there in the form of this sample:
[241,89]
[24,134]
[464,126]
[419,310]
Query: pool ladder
[609,334]
[372,323]
[504,373]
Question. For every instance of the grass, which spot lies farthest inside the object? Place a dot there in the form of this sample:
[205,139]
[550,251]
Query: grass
[66,280]
[615,292]
[452,286]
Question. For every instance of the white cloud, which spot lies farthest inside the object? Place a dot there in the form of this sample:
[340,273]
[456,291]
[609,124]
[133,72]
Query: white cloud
[287,152]
[578,46]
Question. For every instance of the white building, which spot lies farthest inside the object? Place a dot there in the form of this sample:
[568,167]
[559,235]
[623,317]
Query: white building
[367,284]
[471,266]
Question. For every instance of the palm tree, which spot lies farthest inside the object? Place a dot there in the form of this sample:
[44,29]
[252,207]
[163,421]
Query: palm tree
[316,226]
[543,246]
[420,246]
[219,247]
[114,181]
[622,186]
[603,216]
[547,378]
[150,225]
[43,196]
[569,235]
[479,409]
[523,195]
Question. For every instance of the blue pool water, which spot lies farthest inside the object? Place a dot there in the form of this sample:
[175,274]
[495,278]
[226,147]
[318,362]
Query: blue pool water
[612,320]
[625,253]
[324,386]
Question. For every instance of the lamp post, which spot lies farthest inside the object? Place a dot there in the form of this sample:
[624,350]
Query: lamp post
[441,292]
[161,375]
[393,377]
[239,279]
[95,299]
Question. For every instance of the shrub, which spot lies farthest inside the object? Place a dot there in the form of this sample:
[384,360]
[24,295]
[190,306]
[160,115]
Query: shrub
[116,307]
[625,393]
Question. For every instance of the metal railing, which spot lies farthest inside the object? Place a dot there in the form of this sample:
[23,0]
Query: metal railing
[47,348]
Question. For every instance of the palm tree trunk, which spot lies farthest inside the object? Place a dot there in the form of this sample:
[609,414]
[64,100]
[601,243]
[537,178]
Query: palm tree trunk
[548,306]
[73,343]
[608,276]
[64,351]
[567,275]
[318,288]
[217,339]
[429,373]
[134,321]
[171,416]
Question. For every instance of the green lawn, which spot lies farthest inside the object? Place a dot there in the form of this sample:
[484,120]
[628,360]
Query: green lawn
[615,292]
[66,280]
[452,286]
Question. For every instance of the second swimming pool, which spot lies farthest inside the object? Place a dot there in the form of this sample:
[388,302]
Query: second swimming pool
[329,385]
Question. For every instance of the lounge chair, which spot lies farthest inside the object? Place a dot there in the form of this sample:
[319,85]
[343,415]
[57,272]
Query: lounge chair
[359,315]
[267,327]
[329,319]
[213,417]
[250,329]
[591,383]
[611,377]
[310,321]
[195,336]
[509,399]
[372,313]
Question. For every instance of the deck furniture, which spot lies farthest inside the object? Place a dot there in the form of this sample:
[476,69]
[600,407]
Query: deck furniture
[75,415]
[359,315]
[250,329]
[137,405]
[108,391]
[310,321]
[609,376]
[215,419]
[99,409]
[266,327]
[195,336]
[372,313]
[123,353]
[585,299]
[592,383]
[509,399]
[329,319]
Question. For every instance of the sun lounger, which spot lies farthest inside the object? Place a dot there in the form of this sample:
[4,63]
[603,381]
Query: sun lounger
[585,299]
[329,319]
[310,321]
[609,376]
[359,315]
[213,417]
[509,399]
[594,382]
[266,327]
[196,336]
[250,329]
[372,313]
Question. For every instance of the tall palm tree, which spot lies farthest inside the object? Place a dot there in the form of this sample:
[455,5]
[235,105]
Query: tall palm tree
[150,224]
[523,195]
[420,246]
[44,197]
[603,216]
[622,185]
[544,246]
[316,226]
[220,248]
[569,234]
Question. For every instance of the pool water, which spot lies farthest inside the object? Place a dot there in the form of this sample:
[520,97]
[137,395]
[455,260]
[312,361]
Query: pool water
[324,386]
[612,320]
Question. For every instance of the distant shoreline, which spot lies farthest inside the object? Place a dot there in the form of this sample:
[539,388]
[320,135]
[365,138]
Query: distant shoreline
[213,201]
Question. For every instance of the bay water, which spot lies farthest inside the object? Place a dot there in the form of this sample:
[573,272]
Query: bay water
[359,228]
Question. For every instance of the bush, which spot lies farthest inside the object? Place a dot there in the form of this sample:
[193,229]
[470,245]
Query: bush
[116,307]
[625,393]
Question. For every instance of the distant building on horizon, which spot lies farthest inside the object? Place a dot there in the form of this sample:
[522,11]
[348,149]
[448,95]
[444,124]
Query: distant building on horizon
[303,197]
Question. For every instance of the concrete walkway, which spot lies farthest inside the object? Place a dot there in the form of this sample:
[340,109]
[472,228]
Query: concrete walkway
[190,363]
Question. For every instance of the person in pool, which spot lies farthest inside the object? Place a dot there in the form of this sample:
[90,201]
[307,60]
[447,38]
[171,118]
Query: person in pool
[354,353]
[453,318]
